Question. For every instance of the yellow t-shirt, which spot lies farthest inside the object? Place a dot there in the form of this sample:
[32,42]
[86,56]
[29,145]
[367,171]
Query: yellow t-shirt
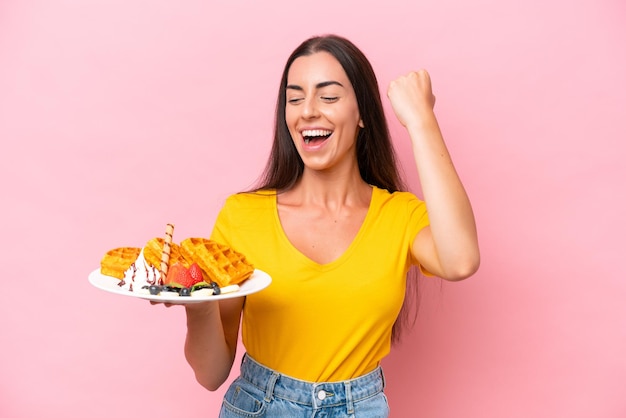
[325,322]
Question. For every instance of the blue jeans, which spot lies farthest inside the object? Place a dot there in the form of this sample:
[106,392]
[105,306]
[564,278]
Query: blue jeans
[262,392]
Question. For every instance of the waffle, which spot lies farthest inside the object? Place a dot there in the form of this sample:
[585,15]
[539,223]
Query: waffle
[221,263]
[116,261]
[153,251]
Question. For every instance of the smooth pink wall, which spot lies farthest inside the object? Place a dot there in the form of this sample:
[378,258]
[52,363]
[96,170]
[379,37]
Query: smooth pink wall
[117,117]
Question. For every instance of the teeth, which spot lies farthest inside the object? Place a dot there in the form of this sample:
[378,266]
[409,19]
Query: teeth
[316,132]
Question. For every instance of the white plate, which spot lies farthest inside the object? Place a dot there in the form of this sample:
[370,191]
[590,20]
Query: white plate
[257,282]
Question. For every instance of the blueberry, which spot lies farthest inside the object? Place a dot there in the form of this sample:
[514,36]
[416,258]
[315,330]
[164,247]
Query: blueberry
[215,287]
[185,291]
[154,289]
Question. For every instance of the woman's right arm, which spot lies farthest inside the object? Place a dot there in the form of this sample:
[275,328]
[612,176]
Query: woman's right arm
[211,343]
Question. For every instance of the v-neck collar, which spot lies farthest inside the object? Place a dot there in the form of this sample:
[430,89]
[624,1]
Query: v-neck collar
[346,254]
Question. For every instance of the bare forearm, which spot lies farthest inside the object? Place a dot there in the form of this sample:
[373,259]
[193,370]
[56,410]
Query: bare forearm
[452,221]
[206,348]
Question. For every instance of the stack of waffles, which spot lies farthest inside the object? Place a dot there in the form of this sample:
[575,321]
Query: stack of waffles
[219,263]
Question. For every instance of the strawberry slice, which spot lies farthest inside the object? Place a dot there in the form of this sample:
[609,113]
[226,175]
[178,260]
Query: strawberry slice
[180,275]
[196,273]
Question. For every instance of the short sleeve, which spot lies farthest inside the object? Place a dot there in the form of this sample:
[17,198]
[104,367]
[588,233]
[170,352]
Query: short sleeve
[417,221]
[222,226]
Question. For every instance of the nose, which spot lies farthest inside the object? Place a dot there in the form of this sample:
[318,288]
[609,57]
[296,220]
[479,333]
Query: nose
[309,109]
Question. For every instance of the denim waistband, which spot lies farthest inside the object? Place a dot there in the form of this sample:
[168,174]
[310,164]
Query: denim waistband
[316,395]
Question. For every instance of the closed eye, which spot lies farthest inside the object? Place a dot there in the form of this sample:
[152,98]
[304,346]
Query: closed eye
[328,99]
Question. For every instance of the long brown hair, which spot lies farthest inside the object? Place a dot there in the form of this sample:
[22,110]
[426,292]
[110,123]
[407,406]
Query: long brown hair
[375,153]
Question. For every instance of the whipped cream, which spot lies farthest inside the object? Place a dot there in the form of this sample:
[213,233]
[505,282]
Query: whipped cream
[140,274]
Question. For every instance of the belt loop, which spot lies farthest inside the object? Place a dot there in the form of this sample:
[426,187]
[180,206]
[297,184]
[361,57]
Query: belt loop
[269,389]
[382,376]
[349,402]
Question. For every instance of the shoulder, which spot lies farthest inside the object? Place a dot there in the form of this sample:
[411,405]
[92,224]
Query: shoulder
[397,199]
[402,210]
[244,209]
[250,200]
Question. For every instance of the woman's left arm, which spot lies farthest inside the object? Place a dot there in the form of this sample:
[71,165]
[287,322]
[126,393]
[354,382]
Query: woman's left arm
[448,248]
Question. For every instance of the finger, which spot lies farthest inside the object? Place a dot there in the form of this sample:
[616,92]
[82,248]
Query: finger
[166,304]
[422,73]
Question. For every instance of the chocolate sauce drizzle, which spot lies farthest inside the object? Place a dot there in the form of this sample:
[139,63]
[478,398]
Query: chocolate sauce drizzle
[132,279]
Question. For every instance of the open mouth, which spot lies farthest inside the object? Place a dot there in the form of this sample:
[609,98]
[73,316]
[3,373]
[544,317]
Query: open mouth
[315,135]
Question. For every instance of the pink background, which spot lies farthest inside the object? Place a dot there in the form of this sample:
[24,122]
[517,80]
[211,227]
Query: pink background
[117,117]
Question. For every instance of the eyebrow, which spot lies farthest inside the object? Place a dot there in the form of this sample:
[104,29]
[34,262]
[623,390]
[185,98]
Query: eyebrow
[317,86]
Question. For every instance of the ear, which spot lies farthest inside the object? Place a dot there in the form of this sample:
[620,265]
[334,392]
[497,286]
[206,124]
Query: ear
[361,123]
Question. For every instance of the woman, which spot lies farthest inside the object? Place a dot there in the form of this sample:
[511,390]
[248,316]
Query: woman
[330,226]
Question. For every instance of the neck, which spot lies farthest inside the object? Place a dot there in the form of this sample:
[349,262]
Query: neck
[332,189]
